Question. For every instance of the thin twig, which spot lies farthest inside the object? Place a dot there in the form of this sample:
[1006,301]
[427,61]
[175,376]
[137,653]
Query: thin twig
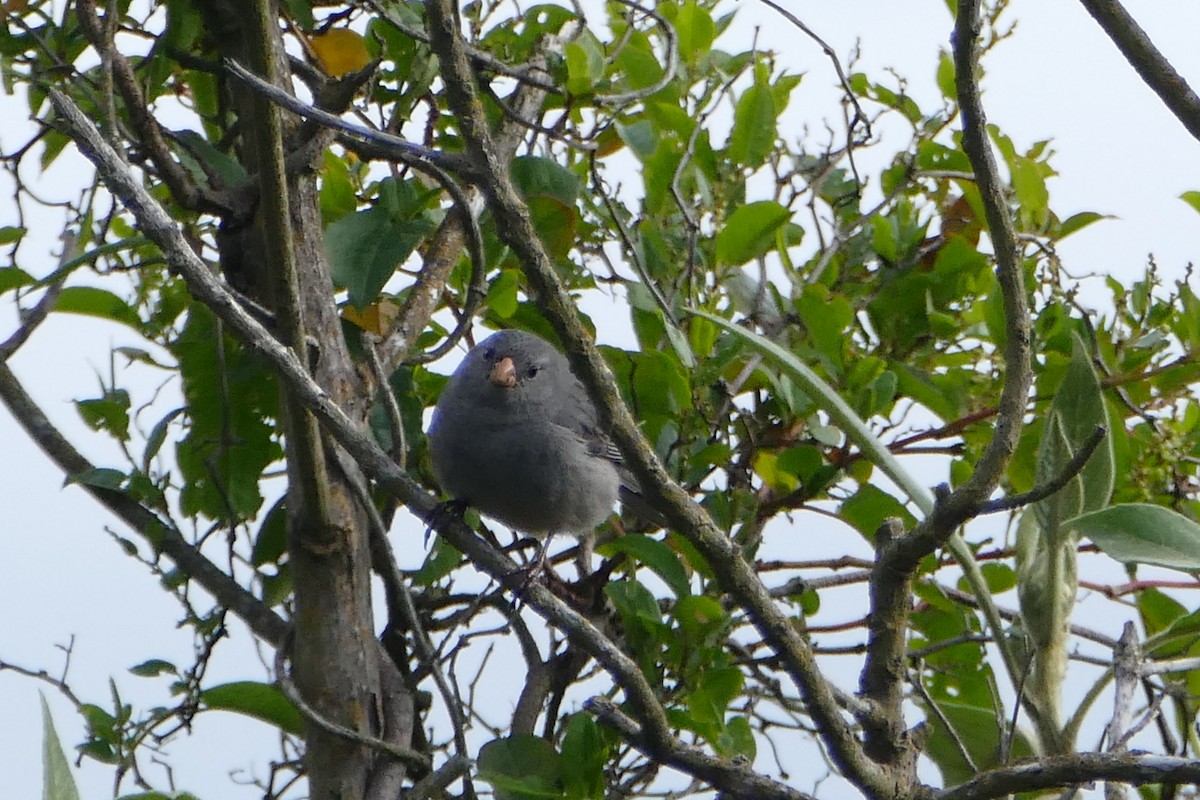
[1053,486]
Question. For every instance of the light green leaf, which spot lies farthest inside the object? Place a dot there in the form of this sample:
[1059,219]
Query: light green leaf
[749,232]
[1077,410]
[1140,533]
[694,30]
[1192,198]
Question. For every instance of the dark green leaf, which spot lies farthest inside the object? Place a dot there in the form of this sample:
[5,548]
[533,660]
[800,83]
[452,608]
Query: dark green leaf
[521,767]
[13,278]
[737,739]
[584,753]
[263,701]
[100,477]
[153,668]
[655,555]
[10,234]
[93,302]
[365,249]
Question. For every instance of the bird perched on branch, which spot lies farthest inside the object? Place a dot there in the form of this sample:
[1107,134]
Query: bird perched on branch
[515,435]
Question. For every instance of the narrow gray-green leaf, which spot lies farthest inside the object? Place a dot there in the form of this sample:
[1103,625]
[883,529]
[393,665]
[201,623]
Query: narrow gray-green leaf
[57,781]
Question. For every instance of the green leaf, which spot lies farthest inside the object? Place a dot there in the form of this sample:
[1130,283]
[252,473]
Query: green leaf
[10,234]
[365,249]
[109,413]
[635,603]
[13,278]
[840,412]
[535,175]
[521,767]
[442,560]
[737,739]
[502,293]
[655,555]
[204,160]
[717,689]
[270,542]
[868,507]
[57,781]
[979,731]
[584,754]
[946,81]
[753,134]
[1192,198]
[1077,410]
[585,63]
[640,136]
[1141,533]
[100,477]
[262,701]
[1077,222]
[93,302]
[158,435]
[153,668]
[749,232]
[694,30]
[700,617]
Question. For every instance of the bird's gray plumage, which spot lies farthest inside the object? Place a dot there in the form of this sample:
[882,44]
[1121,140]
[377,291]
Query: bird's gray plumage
[515,435]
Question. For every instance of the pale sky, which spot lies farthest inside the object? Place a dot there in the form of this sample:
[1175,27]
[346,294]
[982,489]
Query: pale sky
[1118,152]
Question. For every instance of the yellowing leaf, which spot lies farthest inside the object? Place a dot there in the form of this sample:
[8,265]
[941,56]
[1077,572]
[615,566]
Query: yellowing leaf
[376,318]
[340,51]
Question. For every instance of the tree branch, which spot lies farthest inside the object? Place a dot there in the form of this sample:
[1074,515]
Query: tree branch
[1075,770]
[1150,64]
[1053,486]
[160,533]
[150,135]
[154,222]
[736,576]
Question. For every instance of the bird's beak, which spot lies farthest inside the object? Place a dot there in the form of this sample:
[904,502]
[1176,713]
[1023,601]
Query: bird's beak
[504,373]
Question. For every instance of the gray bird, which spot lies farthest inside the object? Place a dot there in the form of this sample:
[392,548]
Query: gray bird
[516,436]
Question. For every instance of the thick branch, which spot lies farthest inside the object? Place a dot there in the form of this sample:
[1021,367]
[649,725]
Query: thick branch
[1149,63]
[886,668]
[1076,770]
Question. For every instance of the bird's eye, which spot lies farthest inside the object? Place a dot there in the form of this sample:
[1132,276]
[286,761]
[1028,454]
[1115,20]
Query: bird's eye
[533,370]
[489,353]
